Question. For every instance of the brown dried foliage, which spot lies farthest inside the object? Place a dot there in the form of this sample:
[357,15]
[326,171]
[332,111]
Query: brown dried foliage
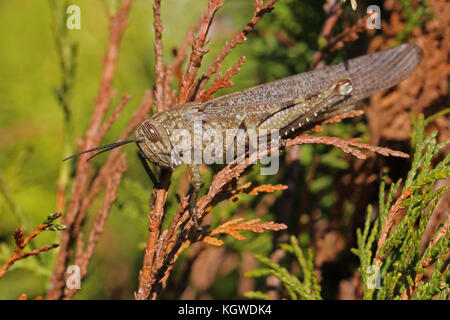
[87,183]
[233,227]
[198,51]
[221,82]
[389,113]
[426,90]
[261,8]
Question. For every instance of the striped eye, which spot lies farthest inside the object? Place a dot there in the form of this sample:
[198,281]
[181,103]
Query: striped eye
[150,132]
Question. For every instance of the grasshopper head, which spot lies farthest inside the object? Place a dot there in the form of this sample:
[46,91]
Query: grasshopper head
[154,142]
[150,137]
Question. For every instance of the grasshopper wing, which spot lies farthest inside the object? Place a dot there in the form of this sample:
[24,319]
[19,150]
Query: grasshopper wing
[369,74]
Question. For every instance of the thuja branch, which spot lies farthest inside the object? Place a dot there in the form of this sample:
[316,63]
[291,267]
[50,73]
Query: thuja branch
[159,66]
[83,193]
[198,51]
[260,10]
[155,218]
[22,242]
[174,69]
[388,223]
[84,255]
[233,227]
[222,82]
[426,261]
[337,42]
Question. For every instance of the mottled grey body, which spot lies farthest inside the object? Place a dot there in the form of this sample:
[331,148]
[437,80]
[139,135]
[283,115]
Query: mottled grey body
[289,105]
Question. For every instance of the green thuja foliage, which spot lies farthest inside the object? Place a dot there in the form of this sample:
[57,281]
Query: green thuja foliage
[304,286]
[400,263]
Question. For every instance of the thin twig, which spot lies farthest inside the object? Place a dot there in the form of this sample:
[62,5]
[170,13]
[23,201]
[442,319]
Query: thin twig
[115,115]
[83,257]
[409,291]
[221,82]
[84,172]
[22,242]
[337,42]
[198,51]
[159,66]
[155,217]
[175,67]
[391,216]
[260,10]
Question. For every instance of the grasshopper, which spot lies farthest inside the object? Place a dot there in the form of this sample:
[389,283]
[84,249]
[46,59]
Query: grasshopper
[289,105]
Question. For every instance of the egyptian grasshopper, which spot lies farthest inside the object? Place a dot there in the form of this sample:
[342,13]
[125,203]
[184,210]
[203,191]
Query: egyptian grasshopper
[288,105]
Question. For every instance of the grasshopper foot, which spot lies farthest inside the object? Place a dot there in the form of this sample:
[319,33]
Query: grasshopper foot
[194,218]
[196,184]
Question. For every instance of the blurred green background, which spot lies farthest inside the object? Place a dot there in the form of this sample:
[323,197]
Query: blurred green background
[31,139]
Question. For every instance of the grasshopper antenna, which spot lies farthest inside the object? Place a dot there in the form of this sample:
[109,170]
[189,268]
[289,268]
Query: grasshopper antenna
[104,148]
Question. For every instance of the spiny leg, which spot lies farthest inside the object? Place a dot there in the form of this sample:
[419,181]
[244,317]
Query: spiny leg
[196,184]
[303,113]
